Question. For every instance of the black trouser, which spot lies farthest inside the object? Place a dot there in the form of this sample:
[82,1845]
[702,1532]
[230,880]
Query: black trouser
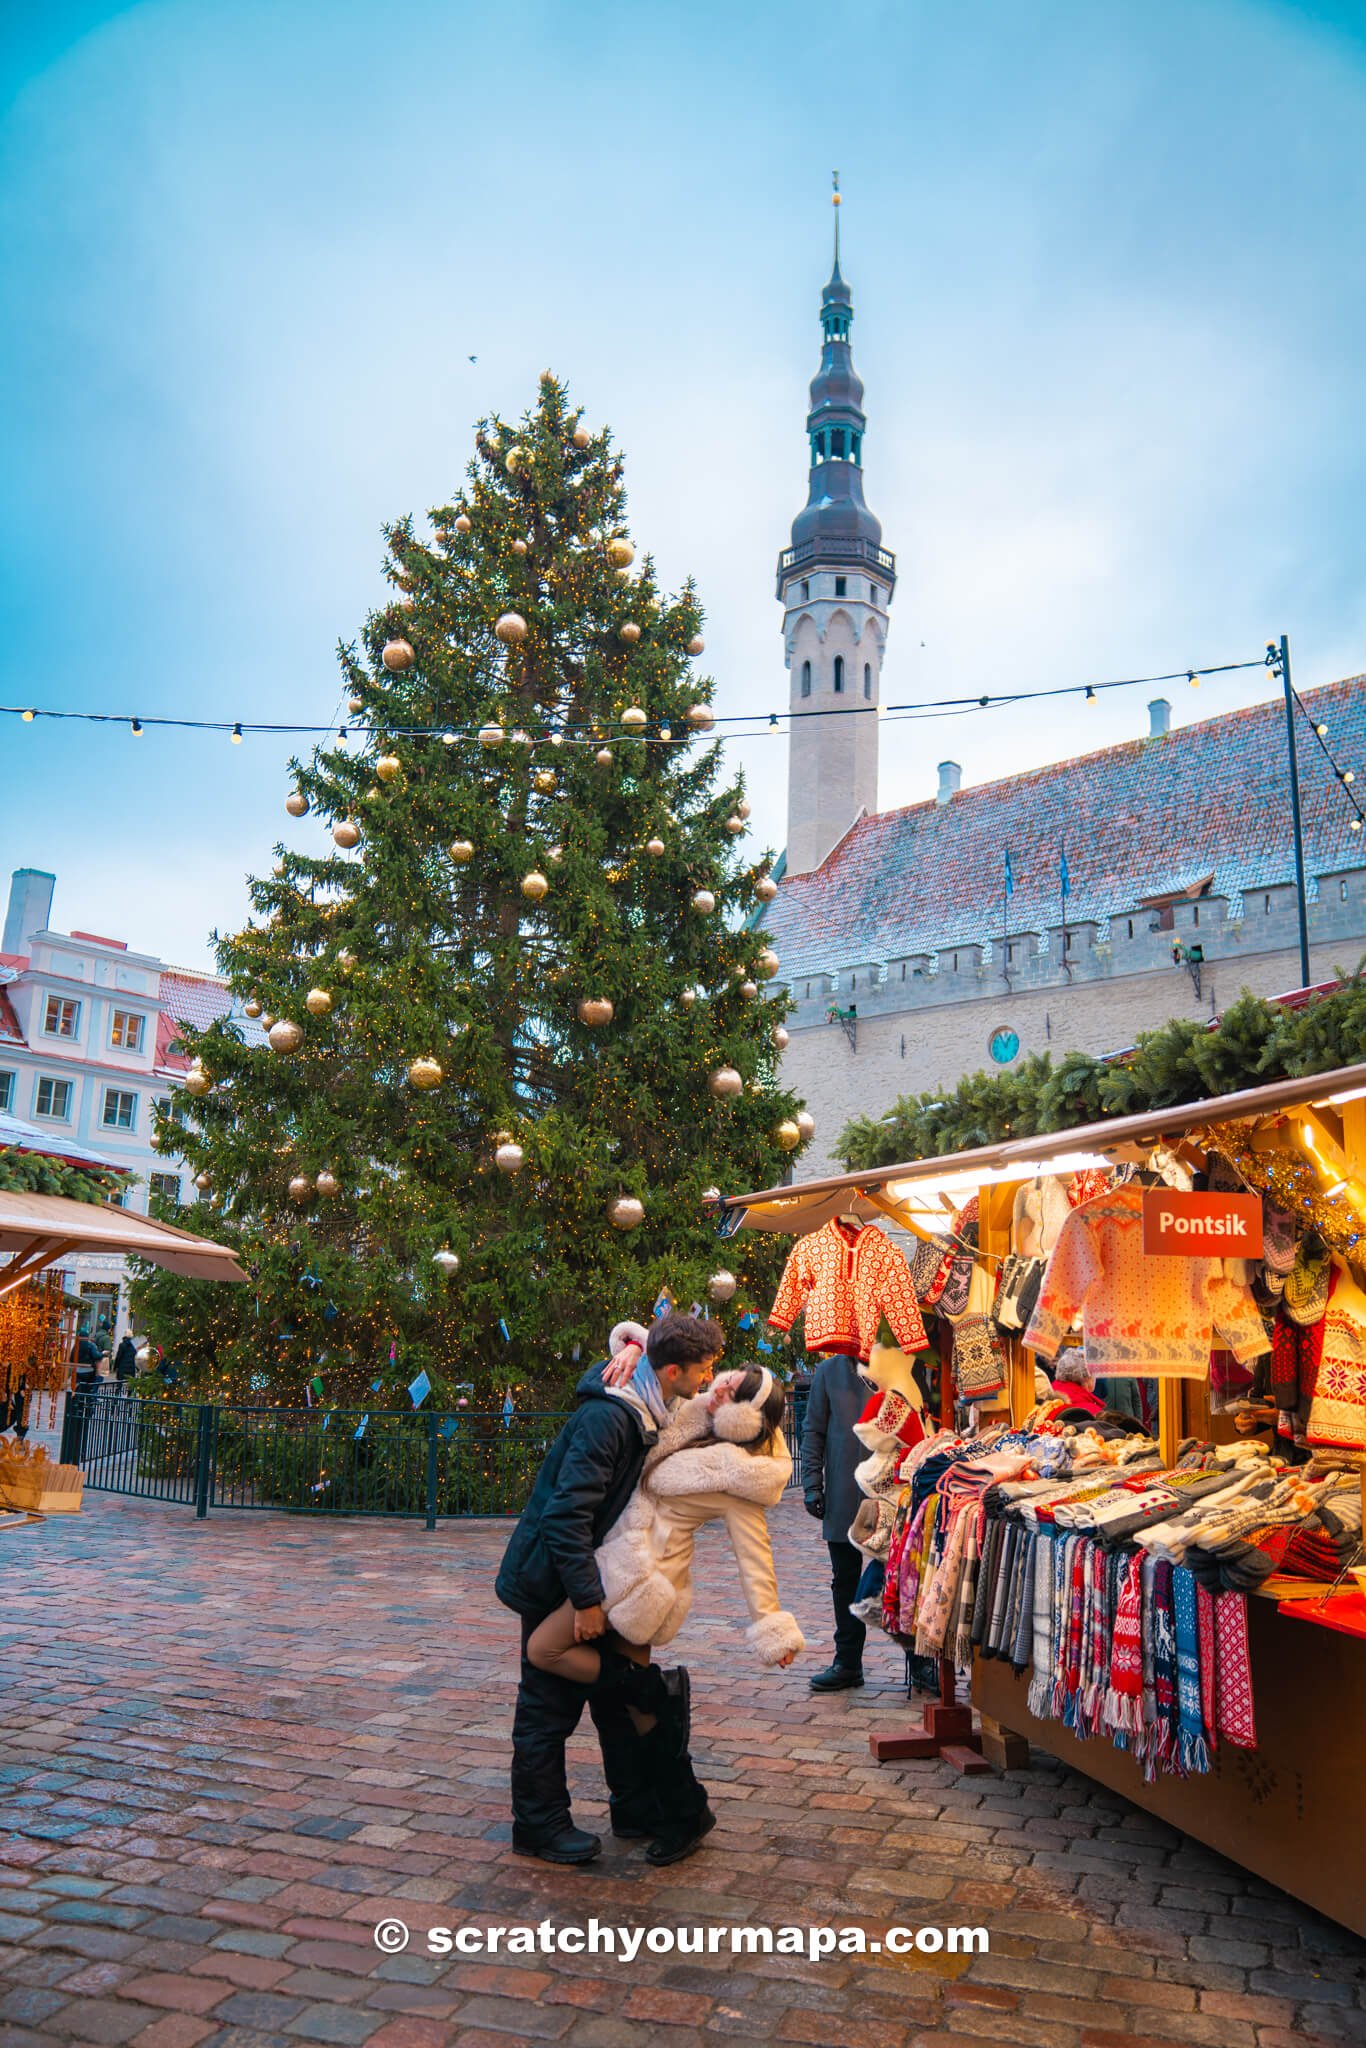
[650,1789]
[846,1569]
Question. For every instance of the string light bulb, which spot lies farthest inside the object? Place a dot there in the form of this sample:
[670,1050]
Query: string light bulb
[136,728]
[237,735]
[1090,694]
[29,716]
[1192,678]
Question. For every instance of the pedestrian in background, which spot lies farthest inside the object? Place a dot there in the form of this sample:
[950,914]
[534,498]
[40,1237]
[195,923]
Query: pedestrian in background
[830,1452]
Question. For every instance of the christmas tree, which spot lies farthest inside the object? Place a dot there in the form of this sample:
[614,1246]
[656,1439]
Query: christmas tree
[518,1022]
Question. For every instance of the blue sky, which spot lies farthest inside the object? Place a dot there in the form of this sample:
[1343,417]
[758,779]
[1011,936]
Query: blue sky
[1109,311]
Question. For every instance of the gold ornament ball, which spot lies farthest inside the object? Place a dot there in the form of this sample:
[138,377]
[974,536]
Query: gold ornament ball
[767,963]
[788,1136]
[519,547]
[630,632]
[544,781]
[387,767]
[749,989]
[701,717]
[462,523]
[251,1008]
[721,1285]
[534,885]
[516,459]
[626,1213]
[704,902]
[711,1194]
[405,599]
[327,1183]
[300,1188]
[581,437]
[203,1180]
[266,1022]
[426,1073]
[654,847]
[806,1124]
[604,757]
[620,553]
[633,719]
[462,852]
[446,1261]
[511,629]
[197,1082]
[765,888]
[735,824]
[697,645]
[397,656]
[374,793]
[345,833]
[742,808]
[286,1036]
[296,803]
[724,1081]
[595,1011]
[555,856]
[318,1002]
[509,1158]
[490,735]
[779,1035]
[346,961]
[687,998]
[355,704]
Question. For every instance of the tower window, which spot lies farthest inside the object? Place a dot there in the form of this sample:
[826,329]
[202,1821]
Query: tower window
[806,679]
[841,585]
[806,591]
[872,593]
[868,680]
[839,674]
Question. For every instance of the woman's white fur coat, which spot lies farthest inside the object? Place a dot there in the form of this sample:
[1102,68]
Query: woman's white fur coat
[690,1478]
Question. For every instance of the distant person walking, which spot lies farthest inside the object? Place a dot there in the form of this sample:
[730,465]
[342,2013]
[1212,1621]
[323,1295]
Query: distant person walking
[125,1364]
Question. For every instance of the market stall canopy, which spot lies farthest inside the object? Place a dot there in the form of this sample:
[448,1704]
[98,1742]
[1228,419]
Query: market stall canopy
[805,1205]
[38,1230]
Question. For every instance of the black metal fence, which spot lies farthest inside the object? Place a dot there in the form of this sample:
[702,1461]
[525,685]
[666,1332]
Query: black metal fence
[309,1460]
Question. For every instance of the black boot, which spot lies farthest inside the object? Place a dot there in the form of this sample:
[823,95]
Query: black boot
[673,1844]
[837,1678]
[567,1845]
[626,1767]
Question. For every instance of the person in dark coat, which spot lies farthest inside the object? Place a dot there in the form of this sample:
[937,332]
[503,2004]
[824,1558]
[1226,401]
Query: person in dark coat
[830,1452]
[590,1472]
[125,1363]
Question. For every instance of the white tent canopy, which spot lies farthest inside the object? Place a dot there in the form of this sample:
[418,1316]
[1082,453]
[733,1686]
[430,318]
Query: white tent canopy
[39,1230]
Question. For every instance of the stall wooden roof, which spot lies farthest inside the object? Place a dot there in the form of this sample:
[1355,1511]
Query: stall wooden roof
[806,1205]
[39,1230]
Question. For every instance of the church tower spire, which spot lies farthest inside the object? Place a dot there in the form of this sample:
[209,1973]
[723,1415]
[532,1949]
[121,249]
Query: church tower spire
[835,583]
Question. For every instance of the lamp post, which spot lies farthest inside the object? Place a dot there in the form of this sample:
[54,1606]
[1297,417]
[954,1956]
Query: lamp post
[1278,661]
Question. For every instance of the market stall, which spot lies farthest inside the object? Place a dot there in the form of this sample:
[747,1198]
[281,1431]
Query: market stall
[1144,1341]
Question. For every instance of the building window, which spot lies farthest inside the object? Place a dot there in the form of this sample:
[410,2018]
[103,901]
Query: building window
[839,674]
[1266,906]
[127,1030]
[1195,913]
[120,1109]
[166,1187]
[99,1310]
[872,593]
[955,963]
[6,1091]
[806,679]
[61,1017]
[54,1099]
[806,591]
[868,680]
[1131,927]
[1342,898]
[841,584]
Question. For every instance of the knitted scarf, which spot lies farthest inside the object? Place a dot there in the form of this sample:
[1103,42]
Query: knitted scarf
[1204,1623]
[1000,1594]
[1022,1633]
[1065,1701]
[1192,1748]
[932,1615]
[909,1571]
[1039,1698]
[1235,1715]
[1164,1665]
[986,1576]
[1124,1695]
[967,1591]
[891,1585]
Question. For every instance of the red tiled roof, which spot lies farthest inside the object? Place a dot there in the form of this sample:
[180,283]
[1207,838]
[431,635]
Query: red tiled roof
[10,1033]
[1150,816]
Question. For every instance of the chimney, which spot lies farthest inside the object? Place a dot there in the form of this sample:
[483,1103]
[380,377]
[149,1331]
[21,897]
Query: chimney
[30,907]
[1159,718]
[950,782]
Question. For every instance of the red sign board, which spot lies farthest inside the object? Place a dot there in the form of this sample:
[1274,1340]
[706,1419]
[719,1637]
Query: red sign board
[1198,1226]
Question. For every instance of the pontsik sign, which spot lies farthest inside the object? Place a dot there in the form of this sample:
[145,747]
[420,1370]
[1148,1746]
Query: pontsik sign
[1199,1226]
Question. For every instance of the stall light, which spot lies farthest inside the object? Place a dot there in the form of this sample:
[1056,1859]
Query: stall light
[934,1190]
[1343,1095]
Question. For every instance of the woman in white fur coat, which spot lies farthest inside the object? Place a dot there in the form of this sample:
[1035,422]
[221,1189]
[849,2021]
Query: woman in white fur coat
[721,1457]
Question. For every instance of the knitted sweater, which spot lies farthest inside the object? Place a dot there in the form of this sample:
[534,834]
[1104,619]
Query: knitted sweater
[1141,1317]
[1337,1412]
[844,1282]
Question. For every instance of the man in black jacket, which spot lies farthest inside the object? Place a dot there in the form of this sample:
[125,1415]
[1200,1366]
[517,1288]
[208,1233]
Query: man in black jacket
[830,1452]
[590,1473]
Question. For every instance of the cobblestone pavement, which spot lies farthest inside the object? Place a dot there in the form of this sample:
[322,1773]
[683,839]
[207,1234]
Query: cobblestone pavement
[231,1747]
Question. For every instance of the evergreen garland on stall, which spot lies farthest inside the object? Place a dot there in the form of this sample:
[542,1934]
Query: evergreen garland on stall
[1255,1042]
[33,1173]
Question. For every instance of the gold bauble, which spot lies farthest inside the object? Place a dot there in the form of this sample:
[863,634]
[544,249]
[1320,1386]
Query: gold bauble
[626,1213]
[633,719]
[405,601]
[654,847]
[519,547]
[296,803]
[534,886]
[397,656]
[374,793]
[544,781]
[701,717]
[300,1188]
[327,1183]
[490,735]
[765,888]
[318,1002]
[355,704]
[749,989]
[604,757]
[806,1124]
[581,437]
[697,644]
[742,808]
[426,1073]
[345,833]
[704,902]
[788,1136]
[266,1022]
[509,1158]
[197,1082]
[767,963]
[387,767]
[620,553]
[511,629]
[779,1035]
[630,632]
[462,522]
[595,1010]
[346,961]
[203,1180]
[462,852]
[555,856]
[515,458]
[251,1008]
[446,1261]
[724,1081]
[286,1036]
[687,997]
[721,1285]
[735,824]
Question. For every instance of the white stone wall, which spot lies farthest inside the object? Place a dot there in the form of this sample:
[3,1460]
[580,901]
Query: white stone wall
[832,764]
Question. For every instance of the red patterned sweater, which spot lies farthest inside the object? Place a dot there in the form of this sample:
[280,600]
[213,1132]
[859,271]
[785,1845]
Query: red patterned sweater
[844,1282]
